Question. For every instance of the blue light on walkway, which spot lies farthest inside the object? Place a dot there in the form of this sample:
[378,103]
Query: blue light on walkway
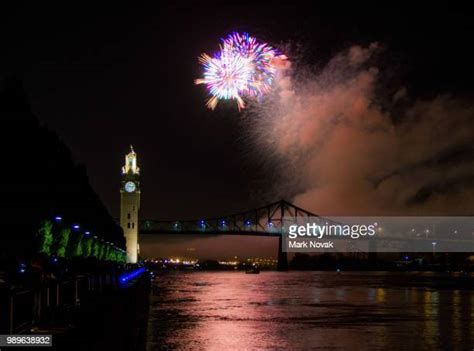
[124,278]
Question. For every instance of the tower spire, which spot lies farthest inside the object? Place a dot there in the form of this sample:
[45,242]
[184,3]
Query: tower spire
[131,163]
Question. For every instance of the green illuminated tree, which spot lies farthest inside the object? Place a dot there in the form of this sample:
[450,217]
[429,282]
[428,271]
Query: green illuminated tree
[45,235]
[86,247]
[74,247]
[96,248]
[62,242]
[100,248]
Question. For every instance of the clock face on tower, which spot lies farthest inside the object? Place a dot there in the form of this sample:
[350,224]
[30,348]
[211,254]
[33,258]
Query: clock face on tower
[130,187]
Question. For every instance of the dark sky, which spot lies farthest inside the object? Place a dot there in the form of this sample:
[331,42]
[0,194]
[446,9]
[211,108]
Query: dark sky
[105,77]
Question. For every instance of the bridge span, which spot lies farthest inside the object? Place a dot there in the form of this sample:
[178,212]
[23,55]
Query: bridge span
[262,221]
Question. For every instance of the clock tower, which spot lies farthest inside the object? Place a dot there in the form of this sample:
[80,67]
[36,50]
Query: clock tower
[130,204]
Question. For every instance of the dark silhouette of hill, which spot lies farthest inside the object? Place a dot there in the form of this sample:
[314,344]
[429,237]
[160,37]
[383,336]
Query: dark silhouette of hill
[39,179]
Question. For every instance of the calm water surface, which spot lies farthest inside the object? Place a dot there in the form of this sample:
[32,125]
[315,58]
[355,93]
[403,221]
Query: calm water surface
[306,310]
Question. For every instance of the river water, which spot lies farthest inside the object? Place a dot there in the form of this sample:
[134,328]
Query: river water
[306,310]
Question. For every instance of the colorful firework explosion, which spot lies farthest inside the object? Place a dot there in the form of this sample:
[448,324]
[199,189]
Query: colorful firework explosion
[242,68]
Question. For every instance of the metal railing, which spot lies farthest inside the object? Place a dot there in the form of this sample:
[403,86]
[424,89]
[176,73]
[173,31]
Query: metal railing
[22,309]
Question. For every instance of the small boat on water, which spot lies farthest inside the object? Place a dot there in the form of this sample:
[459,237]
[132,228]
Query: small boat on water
[253,270]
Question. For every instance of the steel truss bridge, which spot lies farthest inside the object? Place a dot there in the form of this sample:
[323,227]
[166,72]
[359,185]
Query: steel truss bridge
[263,221]
[269,221]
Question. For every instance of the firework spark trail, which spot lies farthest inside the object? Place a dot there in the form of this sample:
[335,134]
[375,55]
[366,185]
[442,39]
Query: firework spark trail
[242,68]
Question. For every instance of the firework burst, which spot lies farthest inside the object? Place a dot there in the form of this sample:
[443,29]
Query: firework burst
[226,77]
[260,54]
[242,68]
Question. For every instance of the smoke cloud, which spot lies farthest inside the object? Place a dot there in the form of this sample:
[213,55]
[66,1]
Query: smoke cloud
[346,148]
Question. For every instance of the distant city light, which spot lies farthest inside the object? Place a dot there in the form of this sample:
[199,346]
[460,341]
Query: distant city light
[22,268]
[58,218]
[87,233]
[76,226]
[229,263]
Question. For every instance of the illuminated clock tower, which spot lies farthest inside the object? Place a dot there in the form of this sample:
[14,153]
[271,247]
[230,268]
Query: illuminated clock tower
[130,204]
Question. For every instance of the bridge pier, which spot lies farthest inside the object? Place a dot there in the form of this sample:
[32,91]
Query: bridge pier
[372,254]
[282,264]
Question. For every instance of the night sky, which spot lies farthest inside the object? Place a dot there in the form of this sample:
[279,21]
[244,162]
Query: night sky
[107,77]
